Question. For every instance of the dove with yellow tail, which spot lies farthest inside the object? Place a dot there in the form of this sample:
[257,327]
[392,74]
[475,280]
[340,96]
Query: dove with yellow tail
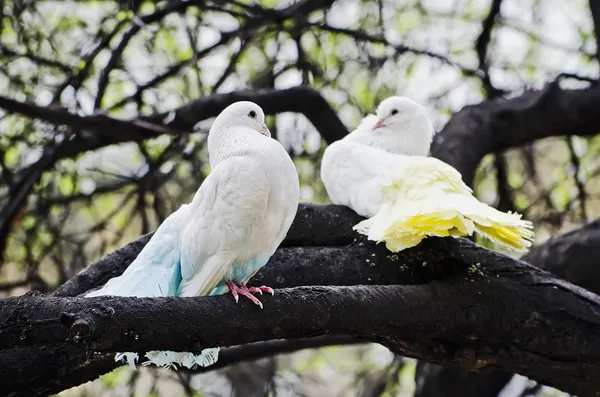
[381,171]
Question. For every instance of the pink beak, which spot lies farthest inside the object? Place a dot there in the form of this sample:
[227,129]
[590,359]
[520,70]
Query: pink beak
[378,124]
[266,131]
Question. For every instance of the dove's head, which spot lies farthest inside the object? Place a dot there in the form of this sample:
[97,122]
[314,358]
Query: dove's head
[401,126]
[234,129]
[241,114]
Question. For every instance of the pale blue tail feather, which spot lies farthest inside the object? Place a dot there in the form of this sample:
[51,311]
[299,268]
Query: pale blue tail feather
[157,272]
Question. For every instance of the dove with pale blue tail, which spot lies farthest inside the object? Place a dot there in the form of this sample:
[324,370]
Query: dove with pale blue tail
[381,171]
[230,229]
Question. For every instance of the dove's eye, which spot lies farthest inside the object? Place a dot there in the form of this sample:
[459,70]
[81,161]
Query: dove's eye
[252,114]
[394,111]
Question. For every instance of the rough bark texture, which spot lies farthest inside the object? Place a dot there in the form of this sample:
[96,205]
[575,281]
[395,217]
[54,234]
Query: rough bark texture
[493,126]
[446,312]
[498,124]
[436,380]
[572,256]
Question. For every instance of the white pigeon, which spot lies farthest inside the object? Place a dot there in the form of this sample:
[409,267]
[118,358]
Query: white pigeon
[381,171]
[235,222]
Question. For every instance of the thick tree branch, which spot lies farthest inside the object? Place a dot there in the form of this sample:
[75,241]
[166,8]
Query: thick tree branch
[492,126]
[571,256]
[464,328]
[498,124]
[304,100]
[48,370]
[452,314]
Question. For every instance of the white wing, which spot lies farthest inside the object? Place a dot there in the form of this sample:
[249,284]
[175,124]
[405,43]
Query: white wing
[353,175]
[227,210]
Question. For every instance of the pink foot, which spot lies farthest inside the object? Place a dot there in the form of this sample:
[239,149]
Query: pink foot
[233,289]
[262,289]
[241,289]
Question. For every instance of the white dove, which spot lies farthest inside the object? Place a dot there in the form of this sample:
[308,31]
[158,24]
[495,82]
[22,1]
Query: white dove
[381,171]
[235,222]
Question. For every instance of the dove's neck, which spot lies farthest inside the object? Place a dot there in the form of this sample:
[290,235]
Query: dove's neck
[231,141]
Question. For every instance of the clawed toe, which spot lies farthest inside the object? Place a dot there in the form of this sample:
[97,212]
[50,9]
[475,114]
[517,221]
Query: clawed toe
[243,290]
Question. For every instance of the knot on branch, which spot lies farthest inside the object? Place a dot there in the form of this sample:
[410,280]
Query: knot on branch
[81,330]
[85,324]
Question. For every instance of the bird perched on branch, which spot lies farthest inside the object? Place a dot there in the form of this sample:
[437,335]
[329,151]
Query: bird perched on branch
[235,222]
[381,171]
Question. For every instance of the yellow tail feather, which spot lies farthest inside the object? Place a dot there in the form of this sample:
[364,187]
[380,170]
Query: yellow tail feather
[410,231]
[428,198]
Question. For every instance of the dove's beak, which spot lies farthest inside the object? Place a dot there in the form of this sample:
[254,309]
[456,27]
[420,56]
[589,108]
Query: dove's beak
[266,131]
[378,124]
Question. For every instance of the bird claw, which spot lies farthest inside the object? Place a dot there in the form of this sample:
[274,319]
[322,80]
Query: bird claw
[262,289]
[243,290]
[233,289]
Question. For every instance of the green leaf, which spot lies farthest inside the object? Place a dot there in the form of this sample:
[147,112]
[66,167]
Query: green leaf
[66,186]
[11,156]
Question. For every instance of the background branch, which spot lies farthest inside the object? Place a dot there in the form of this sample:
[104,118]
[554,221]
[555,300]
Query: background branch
[499,124]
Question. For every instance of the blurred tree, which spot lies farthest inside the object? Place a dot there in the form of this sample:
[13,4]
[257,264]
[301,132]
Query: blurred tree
[104,110]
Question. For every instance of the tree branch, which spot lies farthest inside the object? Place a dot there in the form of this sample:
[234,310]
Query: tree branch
[482,44]
[498,124]
[299,99]
[466,328]
[595,11]
[463,329]
[258,350]
[571,256]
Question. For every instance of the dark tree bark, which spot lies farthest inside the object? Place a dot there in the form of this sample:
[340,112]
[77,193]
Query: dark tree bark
[572,256]
[466,308]
[498,124]
[491,127]
[435,380]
